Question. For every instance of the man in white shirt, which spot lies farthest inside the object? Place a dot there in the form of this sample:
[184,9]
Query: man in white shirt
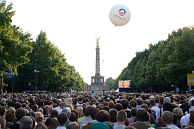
[155,110]
[185,119]
[60,107]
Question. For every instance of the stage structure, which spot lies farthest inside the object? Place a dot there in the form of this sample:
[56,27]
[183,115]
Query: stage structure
[97,81]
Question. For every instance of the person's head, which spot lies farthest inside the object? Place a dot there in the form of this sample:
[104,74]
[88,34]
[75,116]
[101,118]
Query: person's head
[54,123]
[2,110]
[142,114]
[178,112]
[39,117]
[145,106]
[34,108]
[118,107]
[40,103]
[62,119]
[133,111]
[113,114]
[133,103]
[167,107]
[73,125]
[80,111]
[20,113]
[62,105]
[18,105]
[94,112]
[54,113]
[41,126]
[90,123]
[26,122]
[139,101]
[110,104]
[125,103]
[67,110]
[10,114]
[124,84]
[48,121]
[40,110]
[167,99]
[167,117]
[121,116]
[152,102]
[106,108]
[88,110]
[102,116]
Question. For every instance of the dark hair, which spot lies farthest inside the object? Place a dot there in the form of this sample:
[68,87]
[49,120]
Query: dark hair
[167,107]
[10,114]
[121,116]
[40,102]
[34,108]
[139,101]
[133,111]
[48,121]
[102,116]
[20,113]
[118,106]
[145,106]
[88,110]
[125,103]
[62,118]
[17,105]
[2,110]
[54,113]
[152,102]
[167,117]
[113,114]
[106,108]
[94,112]
[133,103]
[142,114]
[73,117]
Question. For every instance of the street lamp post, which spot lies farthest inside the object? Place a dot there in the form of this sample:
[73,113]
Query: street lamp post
[36,71]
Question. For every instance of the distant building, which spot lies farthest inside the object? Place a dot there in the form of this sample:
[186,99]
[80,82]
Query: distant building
[97,81]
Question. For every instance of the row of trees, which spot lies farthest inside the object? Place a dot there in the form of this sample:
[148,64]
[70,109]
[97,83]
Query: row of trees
[19,53]
[162,65]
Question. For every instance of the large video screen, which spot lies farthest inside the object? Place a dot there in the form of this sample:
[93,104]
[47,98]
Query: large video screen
[124,83]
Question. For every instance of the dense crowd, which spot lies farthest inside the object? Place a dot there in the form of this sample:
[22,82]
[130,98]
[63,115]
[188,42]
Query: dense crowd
[96,110]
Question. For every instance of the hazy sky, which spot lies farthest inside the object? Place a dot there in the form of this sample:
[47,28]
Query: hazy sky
[72,25]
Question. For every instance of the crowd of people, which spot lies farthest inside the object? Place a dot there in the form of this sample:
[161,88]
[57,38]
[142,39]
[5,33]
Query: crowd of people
[97,110]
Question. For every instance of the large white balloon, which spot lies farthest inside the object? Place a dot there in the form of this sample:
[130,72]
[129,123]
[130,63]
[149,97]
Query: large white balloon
[119,15]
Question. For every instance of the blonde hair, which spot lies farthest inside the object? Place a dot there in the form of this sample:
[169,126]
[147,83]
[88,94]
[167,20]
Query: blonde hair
[80,111]
[40,110]
[39,117]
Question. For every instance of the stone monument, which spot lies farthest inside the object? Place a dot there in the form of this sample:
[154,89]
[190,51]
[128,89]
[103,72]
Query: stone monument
[97,81]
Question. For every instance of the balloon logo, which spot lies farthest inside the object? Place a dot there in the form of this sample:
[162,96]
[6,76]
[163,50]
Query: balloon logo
[119,15]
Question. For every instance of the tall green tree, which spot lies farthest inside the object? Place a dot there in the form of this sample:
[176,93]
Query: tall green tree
[109,81]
